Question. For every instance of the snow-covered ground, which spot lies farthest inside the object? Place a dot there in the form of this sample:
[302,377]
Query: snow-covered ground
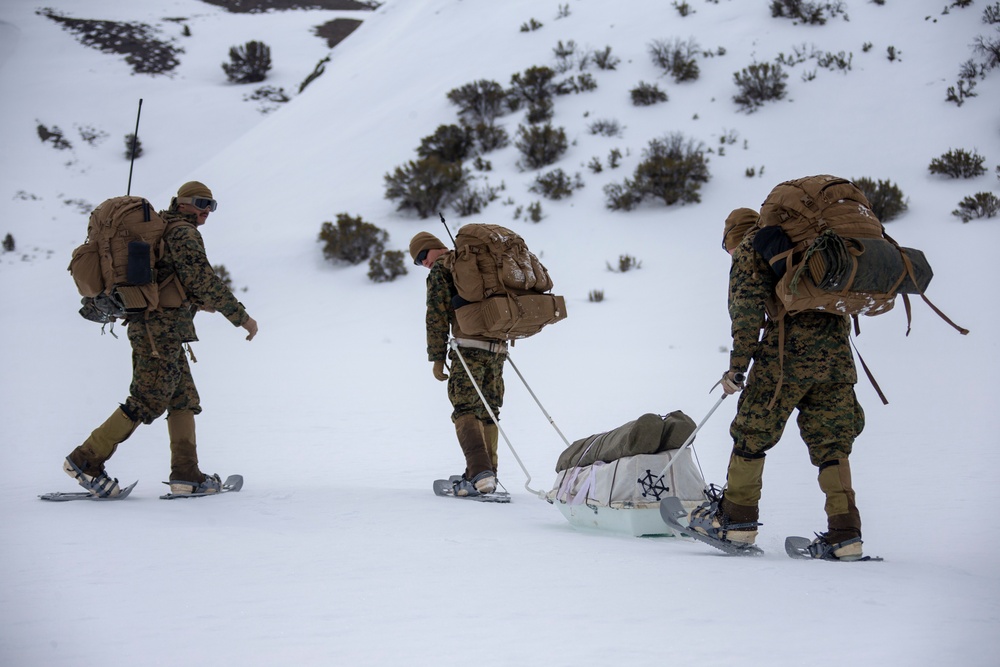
[336,551]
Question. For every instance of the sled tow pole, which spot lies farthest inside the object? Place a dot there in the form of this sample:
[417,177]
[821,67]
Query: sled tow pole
[690,438]
[453,344]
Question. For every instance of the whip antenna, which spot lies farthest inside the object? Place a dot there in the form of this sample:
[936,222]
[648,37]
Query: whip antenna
[135,139]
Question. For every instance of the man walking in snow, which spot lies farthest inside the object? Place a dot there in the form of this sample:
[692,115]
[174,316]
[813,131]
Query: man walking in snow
[477,434]
[812,371]
[161,377]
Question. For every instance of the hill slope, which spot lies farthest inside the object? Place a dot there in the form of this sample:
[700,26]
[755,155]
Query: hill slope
[336,551]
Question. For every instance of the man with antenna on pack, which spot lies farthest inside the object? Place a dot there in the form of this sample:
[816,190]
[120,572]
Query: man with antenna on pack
[161,377]
[476,431]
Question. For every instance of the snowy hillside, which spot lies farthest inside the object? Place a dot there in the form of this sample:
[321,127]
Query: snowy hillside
[336,551]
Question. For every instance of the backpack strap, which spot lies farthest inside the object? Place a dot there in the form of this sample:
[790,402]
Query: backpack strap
[871,378]
[910,272]
[781,360]
[173,279]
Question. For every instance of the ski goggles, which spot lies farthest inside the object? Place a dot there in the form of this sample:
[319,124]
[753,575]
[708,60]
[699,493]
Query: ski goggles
[200,203]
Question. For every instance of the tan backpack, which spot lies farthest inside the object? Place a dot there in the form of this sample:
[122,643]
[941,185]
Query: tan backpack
[115,268]
[502,287]
[832,254]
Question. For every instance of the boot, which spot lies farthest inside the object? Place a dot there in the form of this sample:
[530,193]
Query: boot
[492,434]
[733,515]
[85,464]
[842,540]
[472,439]
[725,520]
[185,477]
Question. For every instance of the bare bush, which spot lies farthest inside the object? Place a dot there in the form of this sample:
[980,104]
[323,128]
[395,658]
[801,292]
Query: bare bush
[673,170]
[248,63]
[540,145]
[886,199]
[979,205]
[351,240]
[759,83]
[958,164]
[426,186]
[676,58]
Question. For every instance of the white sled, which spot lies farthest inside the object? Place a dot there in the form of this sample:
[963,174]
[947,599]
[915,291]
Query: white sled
[623,496]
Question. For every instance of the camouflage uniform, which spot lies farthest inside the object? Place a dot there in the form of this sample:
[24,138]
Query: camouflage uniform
[485,366]
[161,377]
[814,373]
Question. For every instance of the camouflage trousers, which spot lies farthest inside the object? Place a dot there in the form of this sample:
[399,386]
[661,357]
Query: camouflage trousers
[487,369]
[162,382]
[830,418]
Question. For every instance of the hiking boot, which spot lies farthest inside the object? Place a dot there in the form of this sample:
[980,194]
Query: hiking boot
[472,439]
[211,484]
[462,486]
[485,482]
[85,463]
[824,547]
[95,482]
[725,521]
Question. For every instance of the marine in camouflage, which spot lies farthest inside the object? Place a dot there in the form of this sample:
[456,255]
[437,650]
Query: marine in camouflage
[486,366]
[814,374]
[161,376]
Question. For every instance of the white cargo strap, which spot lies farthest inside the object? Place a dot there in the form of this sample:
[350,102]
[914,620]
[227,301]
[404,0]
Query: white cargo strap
[494,346]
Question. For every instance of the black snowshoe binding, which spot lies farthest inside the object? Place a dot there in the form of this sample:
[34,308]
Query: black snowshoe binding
[848,550]
[709,524]
[97,484]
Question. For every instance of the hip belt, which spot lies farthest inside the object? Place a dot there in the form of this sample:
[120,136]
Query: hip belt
[494,346]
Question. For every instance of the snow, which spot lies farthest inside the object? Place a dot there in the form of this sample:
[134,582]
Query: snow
[336,551]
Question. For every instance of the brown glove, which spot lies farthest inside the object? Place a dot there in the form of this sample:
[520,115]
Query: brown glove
[731,382]
[439,373]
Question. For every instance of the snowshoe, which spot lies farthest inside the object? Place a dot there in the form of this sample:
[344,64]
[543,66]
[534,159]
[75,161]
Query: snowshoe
[704,526]
[99,485]
[848,550]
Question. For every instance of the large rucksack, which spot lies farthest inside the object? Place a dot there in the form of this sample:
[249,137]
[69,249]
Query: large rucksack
[832,254]
[115,268]
[503,290]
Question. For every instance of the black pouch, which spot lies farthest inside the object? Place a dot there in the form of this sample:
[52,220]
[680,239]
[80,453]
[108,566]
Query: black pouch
[772,241]
[139,270]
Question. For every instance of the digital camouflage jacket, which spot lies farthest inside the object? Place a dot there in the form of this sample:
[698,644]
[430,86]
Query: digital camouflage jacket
[440,318]
[185,257]
[817,345]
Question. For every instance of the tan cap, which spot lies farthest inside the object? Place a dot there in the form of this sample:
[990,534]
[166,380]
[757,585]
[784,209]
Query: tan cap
[424,241]
[738,223]
[194,189]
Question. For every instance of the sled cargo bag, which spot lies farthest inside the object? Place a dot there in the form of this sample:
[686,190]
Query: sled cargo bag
[648,434]
[613,481]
